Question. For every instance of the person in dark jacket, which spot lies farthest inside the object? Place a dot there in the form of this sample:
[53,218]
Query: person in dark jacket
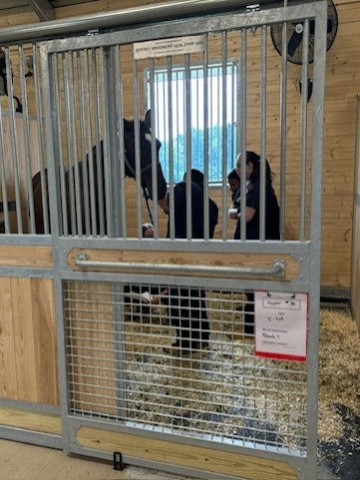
[252,216]
[186,305]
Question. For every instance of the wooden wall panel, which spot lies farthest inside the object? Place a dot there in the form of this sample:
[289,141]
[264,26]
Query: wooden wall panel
[8,371]
[28,341]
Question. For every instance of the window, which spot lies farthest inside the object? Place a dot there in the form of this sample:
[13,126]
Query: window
[195,118]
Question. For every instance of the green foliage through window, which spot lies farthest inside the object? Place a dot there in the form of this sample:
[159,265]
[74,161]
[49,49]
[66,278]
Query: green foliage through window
[195,133]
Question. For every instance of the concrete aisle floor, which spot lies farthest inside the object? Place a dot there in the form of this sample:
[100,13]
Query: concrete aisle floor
[20,461]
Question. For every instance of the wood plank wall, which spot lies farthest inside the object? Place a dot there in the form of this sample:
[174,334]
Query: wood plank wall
[343,72]
[28,362]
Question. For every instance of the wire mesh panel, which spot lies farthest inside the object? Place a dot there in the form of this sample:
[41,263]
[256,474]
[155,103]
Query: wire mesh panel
[119,369]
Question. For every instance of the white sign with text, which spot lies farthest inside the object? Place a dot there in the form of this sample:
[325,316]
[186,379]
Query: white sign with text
[169,46]
[281,325]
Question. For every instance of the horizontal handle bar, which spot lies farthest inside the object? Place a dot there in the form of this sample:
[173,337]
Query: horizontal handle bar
[277,269]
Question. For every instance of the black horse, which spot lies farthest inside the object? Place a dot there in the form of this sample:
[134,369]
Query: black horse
[86,205]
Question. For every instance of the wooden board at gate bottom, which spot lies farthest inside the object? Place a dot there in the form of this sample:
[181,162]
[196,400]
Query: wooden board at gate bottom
[186,456]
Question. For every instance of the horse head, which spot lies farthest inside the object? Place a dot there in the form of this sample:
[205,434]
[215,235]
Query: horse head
[146,149]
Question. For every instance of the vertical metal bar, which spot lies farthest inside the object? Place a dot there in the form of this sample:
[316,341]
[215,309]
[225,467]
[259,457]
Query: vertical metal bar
[29,203]
[41,144]
[100,158]
[136,90]
[303,136]
[73,140]
[120,127]
[243,117]
[54,65]
[14,153]
[171,84]
[319,70]
[105,115]
[68,99]
[154,179]
[4,192]
[224,153]
[283,113]
[83,116]
[205,101]
[188,144]
[90,71]
[263,78]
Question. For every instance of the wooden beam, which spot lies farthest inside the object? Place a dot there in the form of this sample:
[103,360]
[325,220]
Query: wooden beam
[43,9]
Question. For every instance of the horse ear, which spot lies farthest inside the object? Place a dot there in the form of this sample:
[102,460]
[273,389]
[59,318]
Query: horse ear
[147,119]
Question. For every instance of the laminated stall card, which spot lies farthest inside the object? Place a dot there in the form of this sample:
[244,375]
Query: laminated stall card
[281,325]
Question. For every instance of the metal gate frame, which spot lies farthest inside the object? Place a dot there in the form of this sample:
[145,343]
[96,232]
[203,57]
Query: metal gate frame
[306,253]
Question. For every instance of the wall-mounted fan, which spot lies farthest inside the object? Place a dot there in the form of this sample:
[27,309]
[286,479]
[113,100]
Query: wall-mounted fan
[294,36]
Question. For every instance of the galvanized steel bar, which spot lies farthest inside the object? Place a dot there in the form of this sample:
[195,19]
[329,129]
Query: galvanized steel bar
[277,269]
[303,135]
[40,135]
[283,112]
[69,117]
[29,206]
[188,144]
[14,151]
[145,14]
[263,180]
[84,98]
[243,120]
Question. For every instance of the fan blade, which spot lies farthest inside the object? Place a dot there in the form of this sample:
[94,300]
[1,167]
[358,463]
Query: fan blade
[294,42]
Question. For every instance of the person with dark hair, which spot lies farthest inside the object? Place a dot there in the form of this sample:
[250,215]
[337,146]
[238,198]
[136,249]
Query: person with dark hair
[186,305]
[252,215]
[234,185]
[197,207]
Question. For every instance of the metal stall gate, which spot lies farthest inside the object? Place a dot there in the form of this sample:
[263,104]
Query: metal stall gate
[231,403]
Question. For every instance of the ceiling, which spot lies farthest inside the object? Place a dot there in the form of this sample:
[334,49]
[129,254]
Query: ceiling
[44,9]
